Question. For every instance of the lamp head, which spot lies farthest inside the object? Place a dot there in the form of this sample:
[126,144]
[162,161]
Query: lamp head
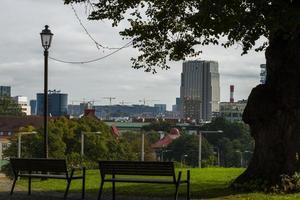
[46,37]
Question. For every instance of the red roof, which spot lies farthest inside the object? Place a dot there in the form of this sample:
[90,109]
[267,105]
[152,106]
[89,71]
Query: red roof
[115,131]
[168,139]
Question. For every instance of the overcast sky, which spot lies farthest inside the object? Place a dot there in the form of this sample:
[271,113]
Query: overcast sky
[22,67]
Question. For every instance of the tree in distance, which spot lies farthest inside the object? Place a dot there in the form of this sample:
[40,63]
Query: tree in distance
[9,107]
[172,30]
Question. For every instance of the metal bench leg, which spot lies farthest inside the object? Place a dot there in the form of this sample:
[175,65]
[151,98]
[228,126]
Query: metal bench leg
[83,184]
[67,189]
[113,188]
[188,197]
[13,185]
[100,190]
[177,185]
[29,185]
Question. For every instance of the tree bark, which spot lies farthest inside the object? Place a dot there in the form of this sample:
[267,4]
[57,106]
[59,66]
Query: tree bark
[273,114]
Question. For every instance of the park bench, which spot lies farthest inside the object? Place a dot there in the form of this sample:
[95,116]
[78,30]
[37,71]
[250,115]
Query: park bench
[135,172]
[45,168]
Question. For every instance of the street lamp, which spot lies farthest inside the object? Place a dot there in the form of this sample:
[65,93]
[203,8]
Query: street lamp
[241,152]
[143,146]
[19,140]
[200,143]
[82,139]
[46,38]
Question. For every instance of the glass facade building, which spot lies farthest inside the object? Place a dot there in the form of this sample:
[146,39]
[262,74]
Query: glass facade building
[57,103]
[5,91]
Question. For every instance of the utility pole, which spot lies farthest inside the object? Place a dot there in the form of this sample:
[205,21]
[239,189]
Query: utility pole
[200,149]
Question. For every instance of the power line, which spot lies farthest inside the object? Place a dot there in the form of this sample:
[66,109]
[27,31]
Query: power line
[98,45]
[92,60]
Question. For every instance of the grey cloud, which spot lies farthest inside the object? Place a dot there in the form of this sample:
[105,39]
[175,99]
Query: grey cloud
[21,58]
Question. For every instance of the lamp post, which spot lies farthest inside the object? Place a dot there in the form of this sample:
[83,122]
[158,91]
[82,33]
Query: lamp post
[20,142]
[200,143]
[241,152]
[82,139]
[46,38]
[143,146]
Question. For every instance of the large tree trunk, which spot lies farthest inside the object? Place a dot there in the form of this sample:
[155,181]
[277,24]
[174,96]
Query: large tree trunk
[273,114]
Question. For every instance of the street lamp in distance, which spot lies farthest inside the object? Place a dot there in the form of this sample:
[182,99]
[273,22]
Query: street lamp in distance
[46,38]
[20,142]
[82,139]
[200,144]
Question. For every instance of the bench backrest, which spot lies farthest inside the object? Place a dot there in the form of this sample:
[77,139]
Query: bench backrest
[136,168]
[38,164]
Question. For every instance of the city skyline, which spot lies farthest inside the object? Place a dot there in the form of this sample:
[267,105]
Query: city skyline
[21,63]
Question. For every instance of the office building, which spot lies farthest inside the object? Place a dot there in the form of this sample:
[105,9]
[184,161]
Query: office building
[32,104]
[5,91]
[23,103]
[233,111]
[199,90]
[57,103]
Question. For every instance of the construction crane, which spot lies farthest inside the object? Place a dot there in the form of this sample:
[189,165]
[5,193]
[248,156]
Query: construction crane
[110,99]
[147,100]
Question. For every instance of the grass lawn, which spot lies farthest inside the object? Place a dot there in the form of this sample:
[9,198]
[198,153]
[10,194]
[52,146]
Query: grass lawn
[206,183]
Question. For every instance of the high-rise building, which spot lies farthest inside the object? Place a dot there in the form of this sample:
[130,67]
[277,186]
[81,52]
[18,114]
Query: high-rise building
[32,104]
[199,90]
[5,91]
[23,102]
[263,73]
[57,103]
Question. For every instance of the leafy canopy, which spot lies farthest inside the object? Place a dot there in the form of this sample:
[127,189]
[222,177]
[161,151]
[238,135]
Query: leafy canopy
[9,107]
[171,29]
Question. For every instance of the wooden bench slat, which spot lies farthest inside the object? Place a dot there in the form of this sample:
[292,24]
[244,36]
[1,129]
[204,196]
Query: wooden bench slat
[44,168]
[134,169]
[128,180]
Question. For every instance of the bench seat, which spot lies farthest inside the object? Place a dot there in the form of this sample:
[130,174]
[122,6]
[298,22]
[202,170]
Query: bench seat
[45,168]
[131,180]
[54,176]
[141,172]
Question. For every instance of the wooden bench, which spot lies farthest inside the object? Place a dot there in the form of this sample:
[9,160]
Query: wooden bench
[163,173]
[44,168]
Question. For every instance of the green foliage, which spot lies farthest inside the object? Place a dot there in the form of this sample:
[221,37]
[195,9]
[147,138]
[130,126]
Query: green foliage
[9,107]
[235,139]
[65,142]
[185,149]
[135,141]
[172,30]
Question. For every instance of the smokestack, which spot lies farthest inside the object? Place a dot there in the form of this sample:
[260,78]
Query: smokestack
[231,93]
